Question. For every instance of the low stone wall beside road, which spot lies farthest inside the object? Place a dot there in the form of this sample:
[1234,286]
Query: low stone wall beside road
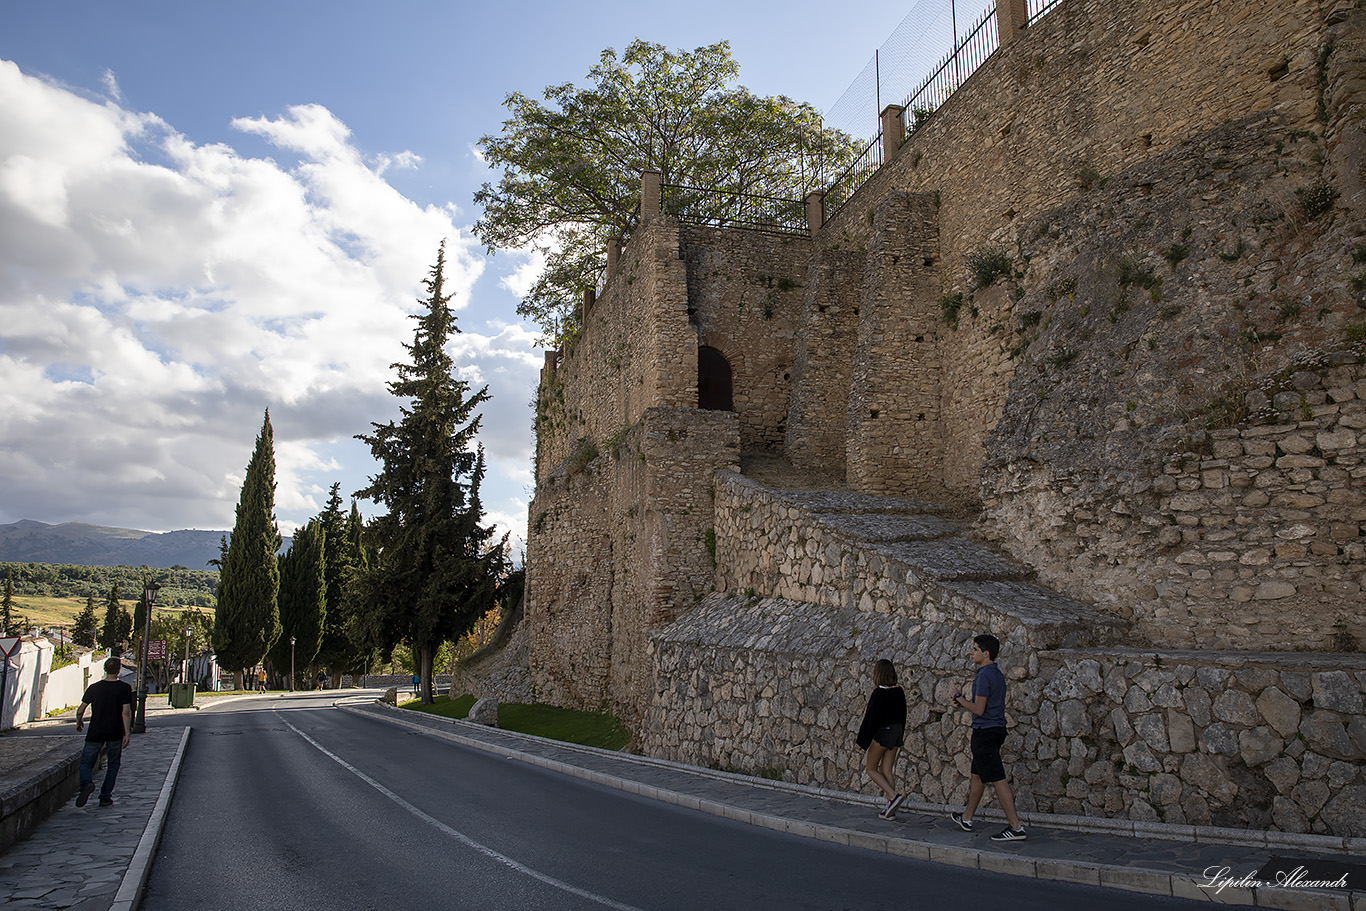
[1241,740]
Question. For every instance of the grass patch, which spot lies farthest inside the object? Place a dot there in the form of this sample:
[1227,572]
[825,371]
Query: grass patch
[591,729]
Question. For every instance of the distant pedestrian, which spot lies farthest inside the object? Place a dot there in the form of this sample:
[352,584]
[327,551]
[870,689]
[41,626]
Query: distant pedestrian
[261,680]
[417,682]
[882,733]
[322,680]
[988,708]
[111,724]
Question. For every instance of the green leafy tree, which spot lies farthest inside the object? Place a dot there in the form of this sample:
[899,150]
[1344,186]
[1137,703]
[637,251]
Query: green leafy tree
[437,566]
[248,617]
[86,625]
[117,629]
[571,167]
[303,607]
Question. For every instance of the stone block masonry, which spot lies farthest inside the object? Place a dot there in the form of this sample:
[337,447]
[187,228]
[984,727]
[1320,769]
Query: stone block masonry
[1261,741]
[1086,356]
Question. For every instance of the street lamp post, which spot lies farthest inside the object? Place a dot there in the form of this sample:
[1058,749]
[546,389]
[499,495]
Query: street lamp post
[149,595]
[185,674]
[291,664]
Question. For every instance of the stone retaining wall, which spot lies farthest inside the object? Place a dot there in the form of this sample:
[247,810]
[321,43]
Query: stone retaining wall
[776,687]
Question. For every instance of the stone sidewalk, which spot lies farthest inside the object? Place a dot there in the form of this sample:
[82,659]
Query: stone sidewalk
[93,858]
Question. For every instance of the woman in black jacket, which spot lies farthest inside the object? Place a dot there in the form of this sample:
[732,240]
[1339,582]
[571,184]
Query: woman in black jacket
[882,733]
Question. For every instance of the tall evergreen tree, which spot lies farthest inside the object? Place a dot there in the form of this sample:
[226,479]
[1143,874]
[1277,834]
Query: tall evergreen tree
[118,626]
[7,606]
[248,617]
[86,625]
[303,607]
[437,565]
[337,562]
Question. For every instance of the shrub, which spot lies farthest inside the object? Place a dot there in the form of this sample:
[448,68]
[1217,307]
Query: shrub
[987,265]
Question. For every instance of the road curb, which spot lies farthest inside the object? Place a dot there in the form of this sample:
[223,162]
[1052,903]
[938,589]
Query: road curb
[135,879]
[1129,879]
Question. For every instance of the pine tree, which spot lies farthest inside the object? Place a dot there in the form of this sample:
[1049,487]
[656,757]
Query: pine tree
[437,566]
[248,616]
[303,589]
[86,625]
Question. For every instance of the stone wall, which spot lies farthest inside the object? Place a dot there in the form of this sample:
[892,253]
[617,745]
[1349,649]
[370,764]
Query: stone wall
[744,294]
[617,545]
[1093,89]
[1248,535]
[818,408]
[1237,740]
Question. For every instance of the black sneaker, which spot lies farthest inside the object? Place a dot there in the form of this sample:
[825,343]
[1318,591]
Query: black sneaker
[887,812]
[895,803]
[82,797]
[1009,834]
[109,802]
[964,824]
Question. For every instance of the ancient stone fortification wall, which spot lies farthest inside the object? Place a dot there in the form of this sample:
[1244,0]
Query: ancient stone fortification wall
[616,547]
[1247,535]
[1092,89]
[636,350]
[744,293]
[823,365]
[1198,738]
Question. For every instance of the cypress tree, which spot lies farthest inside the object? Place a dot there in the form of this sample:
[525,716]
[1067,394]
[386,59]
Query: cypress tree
[303,607]
[7,605]
[437,566]
[248,616]
[118,626]
[86,625]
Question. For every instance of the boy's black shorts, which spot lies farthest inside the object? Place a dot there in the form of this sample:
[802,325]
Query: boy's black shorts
[986,754]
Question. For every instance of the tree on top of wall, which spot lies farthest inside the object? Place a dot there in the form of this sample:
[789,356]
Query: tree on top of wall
[571,168]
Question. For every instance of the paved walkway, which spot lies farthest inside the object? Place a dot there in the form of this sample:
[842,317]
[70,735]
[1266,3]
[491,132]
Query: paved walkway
[95,858]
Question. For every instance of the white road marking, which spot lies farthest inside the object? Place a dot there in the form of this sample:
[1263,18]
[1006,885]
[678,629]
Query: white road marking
[460,836]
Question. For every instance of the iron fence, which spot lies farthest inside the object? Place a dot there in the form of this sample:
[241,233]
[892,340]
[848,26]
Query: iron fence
[863,167]
[1036,8]
[968,54]
[726,209]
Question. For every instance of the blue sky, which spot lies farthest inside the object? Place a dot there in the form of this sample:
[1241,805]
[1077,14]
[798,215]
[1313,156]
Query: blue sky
[211,209]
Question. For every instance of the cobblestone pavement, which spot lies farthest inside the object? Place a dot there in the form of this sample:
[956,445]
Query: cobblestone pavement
[96,858]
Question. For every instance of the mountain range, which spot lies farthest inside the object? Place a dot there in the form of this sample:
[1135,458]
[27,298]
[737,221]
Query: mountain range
[27,541]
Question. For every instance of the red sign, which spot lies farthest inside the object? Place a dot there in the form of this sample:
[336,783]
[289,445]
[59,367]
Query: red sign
[156,649]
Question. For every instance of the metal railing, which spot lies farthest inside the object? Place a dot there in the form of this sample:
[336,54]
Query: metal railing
[863,167]
[725,209]
[1036,8]
[971,51]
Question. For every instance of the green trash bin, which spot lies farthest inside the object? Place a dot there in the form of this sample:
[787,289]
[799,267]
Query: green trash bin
[182,695]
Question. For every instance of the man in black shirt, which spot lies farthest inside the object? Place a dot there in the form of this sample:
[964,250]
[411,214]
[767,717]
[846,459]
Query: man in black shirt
[111,722]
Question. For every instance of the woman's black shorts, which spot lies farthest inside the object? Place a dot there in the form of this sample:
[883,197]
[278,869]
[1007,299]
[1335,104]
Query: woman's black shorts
[891,736]
[986,754]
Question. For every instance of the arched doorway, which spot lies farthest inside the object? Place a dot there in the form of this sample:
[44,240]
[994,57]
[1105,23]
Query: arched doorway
[713,380]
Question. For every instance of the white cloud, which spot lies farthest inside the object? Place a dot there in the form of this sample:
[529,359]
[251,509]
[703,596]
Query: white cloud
[520,280]
[156,295]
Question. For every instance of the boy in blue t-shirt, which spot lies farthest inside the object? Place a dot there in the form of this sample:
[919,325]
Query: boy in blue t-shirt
[988,707]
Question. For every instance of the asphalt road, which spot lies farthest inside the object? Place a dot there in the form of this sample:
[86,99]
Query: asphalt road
[291,804]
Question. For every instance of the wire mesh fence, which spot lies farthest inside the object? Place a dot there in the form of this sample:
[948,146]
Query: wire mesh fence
[930,31]
[930,54]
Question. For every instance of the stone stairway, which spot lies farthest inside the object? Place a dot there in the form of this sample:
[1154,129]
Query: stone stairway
[888,555]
